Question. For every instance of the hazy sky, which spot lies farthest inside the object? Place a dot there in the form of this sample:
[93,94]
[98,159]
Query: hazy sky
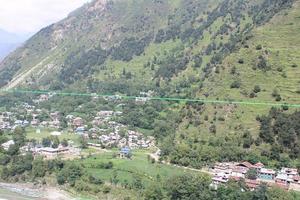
[29,16]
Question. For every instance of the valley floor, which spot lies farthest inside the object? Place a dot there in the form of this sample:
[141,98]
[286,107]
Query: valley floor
[26,191]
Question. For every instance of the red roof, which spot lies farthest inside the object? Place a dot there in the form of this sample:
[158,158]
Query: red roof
[259,165]
[296,178]
[246,164]
[235,178]
[252,183]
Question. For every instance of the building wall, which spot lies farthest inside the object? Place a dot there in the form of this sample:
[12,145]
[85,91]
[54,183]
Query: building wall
[266,176]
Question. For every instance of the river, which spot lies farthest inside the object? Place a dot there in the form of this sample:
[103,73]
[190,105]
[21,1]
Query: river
[9,195]
[27,191]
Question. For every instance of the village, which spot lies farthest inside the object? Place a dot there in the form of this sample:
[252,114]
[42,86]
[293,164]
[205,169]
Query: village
[104,132]
[255,175]
[101,132]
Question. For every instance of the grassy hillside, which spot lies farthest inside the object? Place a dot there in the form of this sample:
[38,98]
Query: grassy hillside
[278,42]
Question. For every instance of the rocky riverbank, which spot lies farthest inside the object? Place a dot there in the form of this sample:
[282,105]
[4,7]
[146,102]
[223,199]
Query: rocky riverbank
[34,192]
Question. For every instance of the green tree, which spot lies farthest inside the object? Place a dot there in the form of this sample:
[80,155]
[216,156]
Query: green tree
[19,136]
[137,182]
[275,193]
[60,179]
[83,142]
[114,178]
[187,186]
[154,192]
[251,174]
[46,142]
[55,142]
[261,193]
[64,143]
[39,167]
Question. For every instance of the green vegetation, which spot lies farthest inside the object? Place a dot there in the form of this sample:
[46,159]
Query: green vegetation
[232,50]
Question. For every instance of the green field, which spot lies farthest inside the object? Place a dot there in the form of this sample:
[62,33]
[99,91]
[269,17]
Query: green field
[46,132]
[126,169]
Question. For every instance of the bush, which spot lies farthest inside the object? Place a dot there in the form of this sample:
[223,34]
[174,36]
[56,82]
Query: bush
[294,65]
[235,84]
[256,89]
[278,98]
[106,189]
[262,64]
[233,70]
[251,174]
[259,47]
[252,95]
[276,95]
[95,180]
[60,179]
[241,61]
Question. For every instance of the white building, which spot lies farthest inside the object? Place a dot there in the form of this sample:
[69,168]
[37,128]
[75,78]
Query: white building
[7,144]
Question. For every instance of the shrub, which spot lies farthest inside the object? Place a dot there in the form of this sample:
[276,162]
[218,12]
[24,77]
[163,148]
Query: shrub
[256,89]
[262,64]
[106,189]
[60,179]
[241,61]
[294,65]
[233,70]
[259,47]
[278,98]
[235,84]
[252,95]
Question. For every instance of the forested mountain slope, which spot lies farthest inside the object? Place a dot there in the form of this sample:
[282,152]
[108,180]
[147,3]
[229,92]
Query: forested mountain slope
[216,49]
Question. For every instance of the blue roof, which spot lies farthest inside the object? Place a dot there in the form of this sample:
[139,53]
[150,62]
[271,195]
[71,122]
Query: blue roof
[80,129]
[125,150]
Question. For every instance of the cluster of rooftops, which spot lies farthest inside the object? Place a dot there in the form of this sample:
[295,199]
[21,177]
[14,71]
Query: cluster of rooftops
[285,178]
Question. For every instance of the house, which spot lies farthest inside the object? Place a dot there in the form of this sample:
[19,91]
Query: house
[97,121]
[252,184]
[49,152]
[43,97]
[118,113]
[220,178]
[245,165]
[112,98]
[35,122]
[78,122]
[25,123]
[141,100]
[223,167]
[69,117]
[7,144]
[282,178]
[80,130]
[125,152]
[54,116]
[18,122]
[56,133]
[239,172]
[266,174]
[93,130]
[258,166]
[105,114]
[54,124]
[290,172]
[44,123]
[296,179]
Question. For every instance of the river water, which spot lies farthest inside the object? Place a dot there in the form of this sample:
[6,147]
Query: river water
[9,195]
